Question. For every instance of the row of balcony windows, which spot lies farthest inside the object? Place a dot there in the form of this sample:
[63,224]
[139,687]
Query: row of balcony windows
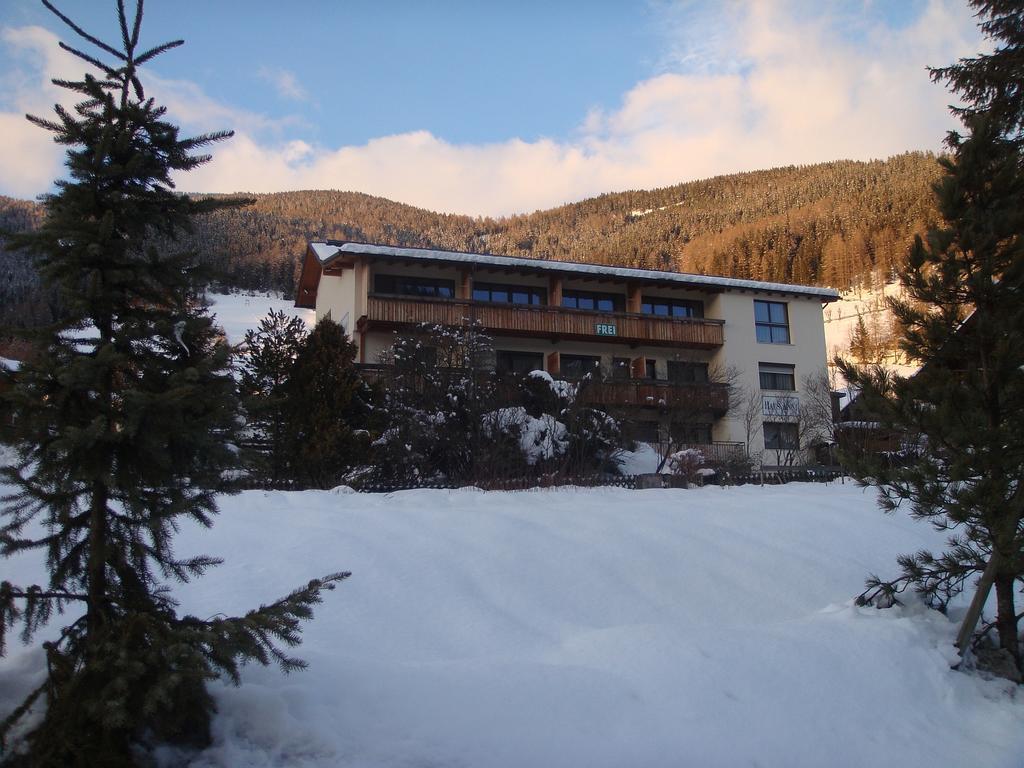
[771,318]
[525,295]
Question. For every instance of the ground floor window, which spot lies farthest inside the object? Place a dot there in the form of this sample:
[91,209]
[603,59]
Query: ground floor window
[578,366]
[781,436]
[680,372]
[620,368]
[645,431]
[778,376]
[519,363]
[693,434]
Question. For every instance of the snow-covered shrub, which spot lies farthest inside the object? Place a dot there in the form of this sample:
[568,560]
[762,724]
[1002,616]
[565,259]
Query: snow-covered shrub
[541,439]
[687,463]
[592,437]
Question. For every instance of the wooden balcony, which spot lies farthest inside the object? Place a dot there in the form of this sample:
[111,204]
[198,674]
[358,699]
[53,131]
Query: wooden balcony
[607,393]
[545,322]
[659,394]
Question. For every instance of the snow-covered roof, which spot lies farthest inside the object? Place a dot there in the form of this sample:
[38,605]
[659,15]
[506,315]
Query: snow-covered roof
[326,252]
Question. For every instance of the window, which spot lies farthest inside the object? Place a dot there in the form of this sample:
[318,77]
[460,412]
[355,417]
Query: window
[519,363]
[509,294]
[600,302]
[401,285]
[780,437]
[578,366]
[687,373]
[771,320]
[692,434]
[777,376]
[671,307]
[645,431]
[620,368]
[651,369]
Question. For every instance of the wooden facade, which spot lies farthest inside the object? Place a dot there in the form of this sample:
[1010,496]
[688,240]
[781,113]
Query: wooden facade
[550,322]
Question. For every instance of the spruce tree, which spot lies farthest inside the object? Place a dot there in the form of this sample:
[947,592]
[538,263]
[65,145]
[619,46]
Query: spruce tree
[270,352]
[325,408]
[964,324]
[126,421]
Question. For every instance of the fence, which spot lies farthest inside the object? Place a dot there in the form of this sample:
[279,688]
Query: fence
[629,482]
[605,480]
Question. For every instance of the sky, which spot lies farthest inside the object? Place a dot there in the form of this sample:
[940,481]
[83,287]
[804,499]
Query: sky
[483,108]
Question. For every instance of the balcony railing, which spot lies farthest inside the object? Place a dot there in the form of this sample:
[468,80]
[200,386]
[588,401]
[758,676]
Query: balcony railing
[608,393]
[660,394]
[547,322]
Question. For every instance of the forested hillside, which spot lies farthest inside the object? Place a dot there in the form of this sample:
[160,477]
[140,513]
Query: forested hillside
[839,224]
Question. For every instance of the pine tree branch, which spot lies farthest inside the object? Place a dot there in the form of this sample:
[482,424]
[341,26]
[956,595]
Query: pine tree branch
[109,71]
[82,33]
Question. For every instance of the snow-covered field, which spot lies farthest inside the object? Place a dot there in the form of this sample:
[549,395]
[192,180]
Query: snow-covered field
[709,627]
[238,312]
[840,319]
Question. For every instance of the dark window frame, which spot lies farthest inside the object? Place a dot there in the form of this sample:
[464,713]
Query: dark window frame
[425,287]
[776,434]
[687,372]
[534,296]
[674,308]
[622,368]
[509,361]
[695,433]
[772,375]
[614,302]
[582,362]
[771,322]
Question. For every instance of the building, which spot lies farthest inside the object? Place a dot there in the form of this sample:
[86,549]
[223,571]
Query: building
[659,339]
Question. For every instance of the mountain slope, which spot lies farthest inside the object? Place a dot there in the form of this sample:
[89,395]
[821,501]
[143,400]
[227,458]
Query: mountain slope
[837,224]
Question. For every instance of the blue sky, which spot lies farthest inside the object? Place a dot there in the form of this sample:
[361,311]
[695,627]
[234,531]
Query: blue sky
[481,108]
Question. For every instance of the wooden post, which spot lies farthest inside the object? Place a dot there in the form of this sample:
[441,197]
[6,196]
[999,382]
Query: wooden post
[555,292]
[633,300]
[466,287]
[554,363]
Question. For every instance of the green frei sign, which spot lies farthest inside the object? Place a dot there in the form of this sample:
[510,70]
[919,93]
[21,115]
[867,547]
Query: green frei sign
[606,329]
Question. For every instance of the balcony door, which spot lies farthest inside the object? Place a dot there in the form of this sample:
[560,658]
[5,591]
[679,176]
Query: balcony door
[578,366]
[519,363]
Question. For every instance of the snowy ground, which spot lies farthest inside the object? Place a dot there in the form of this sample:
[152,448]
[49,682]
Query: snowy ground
[840,319]
[708,627]
[238,312]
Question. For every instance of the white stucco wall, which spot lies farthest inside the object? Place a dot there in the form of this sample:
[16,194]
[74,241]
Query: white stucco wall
[742,351]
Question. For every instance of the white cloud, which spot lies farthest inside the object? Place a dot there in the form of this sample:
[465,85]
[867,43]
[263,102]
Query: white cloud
[783,86]
[285,83]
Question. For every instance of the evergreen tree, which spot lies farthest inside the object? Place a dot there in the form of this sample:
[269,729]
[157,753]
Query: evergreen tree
[964,410]
[325,406]
[993,84]
[125,426]
[441,384]
[270,352]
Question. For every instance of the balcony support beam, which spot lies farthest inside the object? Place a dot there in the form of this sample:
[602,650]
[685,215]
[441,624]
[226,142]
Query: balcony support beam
[555,291]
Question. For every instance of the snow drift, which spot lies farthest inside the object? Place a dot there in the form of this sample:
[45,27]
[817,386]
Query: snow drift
[709,627]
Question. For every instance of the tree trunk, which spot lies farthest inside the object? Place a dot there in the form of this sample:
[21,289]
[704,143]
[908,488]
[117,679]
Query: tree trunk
[1006,615]
[96,569]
